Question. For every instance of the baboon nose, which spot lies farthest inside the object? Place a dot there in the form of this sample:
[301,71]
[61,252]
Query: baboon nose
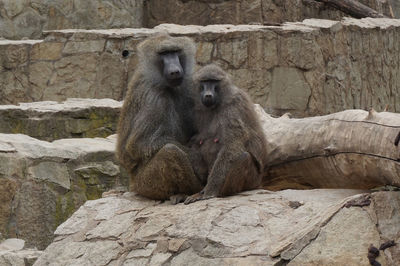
[175,74]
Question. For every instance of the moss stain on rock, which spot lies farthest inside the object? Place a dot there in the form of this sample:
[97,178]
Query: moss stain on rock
[65,207]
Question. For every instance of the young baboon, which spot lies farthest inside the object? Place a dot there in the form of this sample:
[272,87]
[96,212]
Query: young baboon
[230,139]
[156,119]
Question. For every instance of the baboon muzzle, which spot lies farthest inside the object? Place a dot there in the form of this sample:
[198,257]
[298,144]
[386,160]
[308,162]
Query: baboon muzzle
[208,95]
[173,70]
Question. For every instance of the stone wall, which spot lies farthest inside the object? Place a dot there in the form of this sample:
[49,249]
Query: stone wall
[28,18]
[310,68]
[206,12]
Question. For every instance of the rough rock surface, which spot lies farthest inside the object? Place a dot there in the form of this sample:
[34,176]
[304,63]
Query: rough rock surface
[208,12]
[309,68]
[305,227]
[28,18]
[12,253]
[43,183]
[49,121]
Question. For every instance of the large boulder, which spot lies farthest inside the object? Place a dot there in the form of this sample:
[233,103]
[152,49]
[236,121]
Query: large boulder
[294,227]
[43,183]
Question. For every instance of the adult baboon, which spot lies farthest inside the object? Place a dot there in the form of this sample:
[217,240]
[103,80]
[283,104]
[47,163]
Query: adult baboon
[156,119]
[230,139]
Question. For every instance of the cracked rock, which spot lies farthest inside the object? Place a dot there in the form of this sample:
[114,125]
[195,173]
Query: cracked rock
[253,228]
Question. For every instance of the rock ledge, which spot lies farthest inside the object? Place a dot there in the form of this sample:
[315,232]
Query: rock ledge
[308,227]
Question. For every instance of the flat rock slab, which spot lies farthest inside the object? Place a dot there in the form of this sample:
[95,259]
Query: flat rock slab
[298,227]
[12,244]
[51,120]
[42,183]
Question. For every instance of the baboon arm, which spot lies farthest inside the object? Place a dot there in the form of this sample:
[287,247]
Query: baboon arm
[140,149]
[149,130]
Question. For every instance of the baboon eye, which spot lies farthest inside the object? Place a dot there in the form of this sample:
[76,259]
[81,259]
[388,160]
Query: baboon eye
[168,52]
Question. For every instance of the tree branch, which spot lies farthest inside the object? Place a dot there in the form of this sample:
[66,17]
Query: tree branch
[349,149]
[353,8]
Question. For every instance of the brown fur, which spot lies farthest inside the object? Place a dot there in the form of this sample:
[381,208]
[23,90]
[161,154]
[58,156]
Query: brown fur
[156,121]
[230,140]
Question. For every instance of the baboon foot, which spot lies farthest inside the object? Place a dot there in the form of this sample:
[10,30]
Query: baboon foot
[197,197]
[178,198]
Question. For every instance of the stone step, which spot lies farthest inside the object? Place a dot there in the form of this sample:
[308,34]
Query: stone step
[28,18]
[51,120]
[43,183]
[310,68]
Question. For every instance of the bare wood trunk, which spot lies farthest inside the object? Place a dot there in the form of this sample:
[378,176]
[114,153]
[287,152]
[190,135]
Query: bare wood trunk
[353,8]
[349,149]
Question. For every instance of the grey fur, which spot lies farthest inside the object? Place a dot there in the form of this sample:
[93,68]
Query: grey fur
[230,140]
[156,122]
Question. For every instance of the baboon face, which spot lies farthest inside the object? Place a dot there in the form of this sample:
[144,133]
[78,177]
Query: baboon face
[165,61]
[209,92]
[171,66]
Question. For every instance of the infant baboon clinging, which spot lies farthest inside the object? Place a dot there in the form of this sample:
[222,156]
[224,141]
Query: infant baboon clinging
[156,119]
[230,139]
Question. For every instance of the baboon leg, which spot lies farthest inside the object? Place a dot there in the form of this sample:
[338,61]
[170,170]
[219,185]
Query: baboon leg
[199,166]
[243,175]
[168,173]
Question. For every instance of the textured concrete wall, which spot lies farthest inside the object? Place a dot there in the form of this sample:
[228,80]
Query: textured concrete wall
[206,12]
[310,68]
[28,18]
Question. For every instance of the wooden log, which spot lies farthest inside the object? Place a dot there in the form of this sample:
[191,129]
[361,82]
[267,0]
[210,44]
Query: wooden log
[349,149]
[353,8]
